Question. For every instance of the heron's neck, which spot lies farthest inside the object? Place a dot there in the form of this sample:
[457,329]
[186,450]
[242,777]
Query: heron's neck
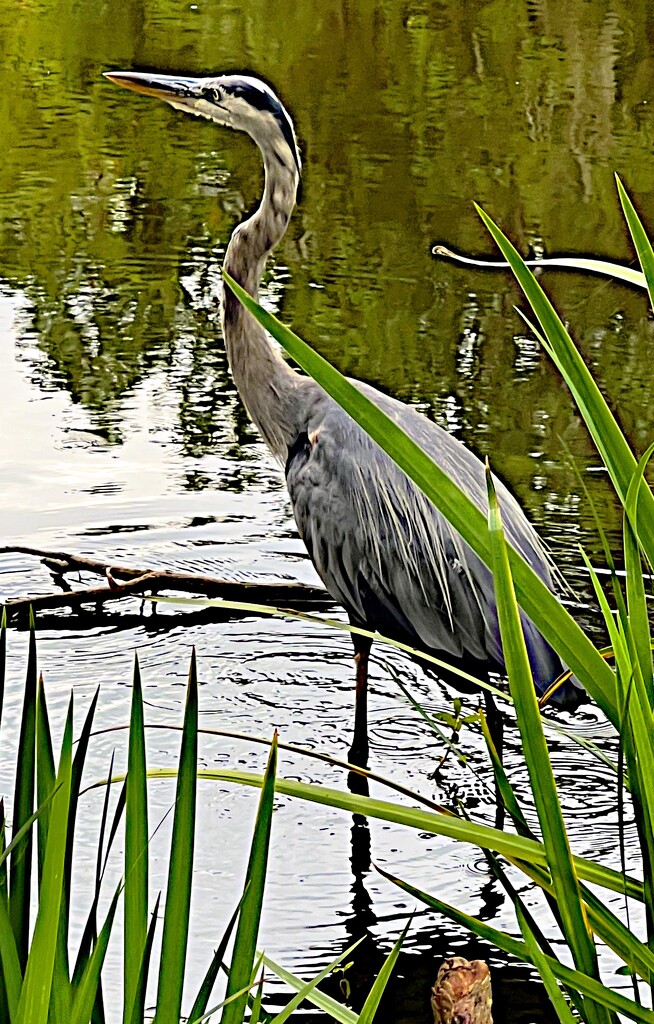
[266,384]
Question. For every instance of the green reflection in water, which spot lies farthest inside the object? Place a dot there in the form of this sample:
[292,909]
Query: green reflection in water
[115,211]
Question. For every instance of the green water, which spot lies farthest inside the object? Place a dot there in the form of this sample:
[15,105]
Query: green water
[114,215]
[406,114]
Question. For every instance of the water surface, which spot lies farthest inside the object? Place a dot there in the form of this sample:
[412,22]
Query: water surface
[125,438]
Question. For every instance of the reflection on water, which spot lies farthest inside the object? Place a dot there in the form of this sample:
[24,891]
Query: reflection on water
[124,435]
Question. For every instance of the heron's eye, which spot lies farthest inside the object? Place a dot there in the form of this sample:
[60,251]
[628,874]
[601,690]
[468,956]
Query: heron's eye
[215,96]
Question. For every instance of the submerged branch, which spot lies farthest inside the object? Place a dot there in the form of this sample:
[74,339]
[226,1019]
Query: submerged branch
[124,581]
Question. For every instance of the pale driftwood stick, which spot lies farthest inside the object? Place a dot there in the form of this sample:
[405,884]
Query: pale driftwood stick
[125,580]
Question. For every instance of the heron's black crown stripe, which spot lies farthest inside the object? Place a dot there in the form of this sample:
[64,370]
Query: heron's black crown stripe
[261,99]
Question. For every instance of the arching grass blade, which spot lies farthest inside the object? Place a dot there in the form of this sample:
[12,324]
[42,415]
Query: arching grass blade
[514,848]
[136,850]
[602,425]
[85,996]
[371,1005]
[555,839]
[34,1004]
[20,887]
[138,1010]
[336,1010]
[199,1007]
[245,943]
[639,237]
[178,894]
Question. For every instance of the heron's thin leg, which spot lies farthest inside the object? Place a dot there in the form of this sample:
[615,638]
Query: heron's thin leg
[359,749]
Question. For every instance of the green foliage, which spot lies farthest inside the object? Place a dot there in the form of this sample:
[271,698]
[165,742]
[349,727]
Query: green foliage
[43,991]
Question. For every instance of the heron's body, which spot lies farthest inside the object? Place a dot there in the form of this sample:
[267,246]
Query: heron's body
[380,547]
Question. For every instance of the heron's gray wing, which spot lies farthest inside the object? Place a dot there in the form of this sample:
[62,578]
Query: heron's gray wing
[386,553]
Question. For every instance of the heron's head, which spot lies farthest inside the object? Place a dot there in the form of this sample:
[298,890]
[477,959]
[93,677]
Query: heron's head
[236,101]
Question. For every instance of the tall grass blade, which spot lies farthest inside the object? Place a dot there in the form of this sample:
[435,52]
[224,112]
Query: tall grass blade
[513,847]
[371,1005]
[305,989]
[199,1007]
[178,895]
[255,1009]
[45,787]
[37,984]
[336,1010]
[11,969]
[138,1010]
[639,238]
[136,850]
[85,996]
[602,425]
[45,772]
[76,783]
[555,839]
[245,943]
[637,616]
[554,622]
[20,872]
[89,935]
[537,957]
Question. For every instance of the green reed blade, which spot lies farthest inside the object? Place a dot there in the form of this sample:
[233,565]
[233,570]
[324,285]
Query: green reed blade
[45,771]
[76,783]
[201,1002]
[602,425]
[514,848]
[34,1004]
[178,895]
[136,850]
[255,1009]
[45,786]
[306,989]
[551,618]
[540,961]
[637,616]
[20,871]
[371,1005]
[90,932]
[326,1003]
[245,943]
[11,969]
[639,238]
[138,1010]
[85,996]
[543,786]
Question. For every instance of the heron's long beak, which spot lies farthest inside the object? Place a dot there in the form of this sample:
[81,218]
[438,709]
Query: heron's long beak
[173,88]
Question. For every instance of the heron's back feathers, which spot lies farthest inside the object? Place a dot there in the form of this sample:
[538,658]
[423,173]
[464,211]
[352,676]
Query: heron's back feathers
[385,552]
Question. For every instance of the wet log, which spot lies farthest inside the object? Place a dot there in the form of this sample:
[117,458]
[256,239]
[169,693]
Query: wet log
[126,580]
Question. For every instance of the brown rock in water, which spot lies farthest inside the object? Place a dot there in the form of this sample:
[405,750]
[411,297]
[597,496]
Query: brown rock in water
[462,993]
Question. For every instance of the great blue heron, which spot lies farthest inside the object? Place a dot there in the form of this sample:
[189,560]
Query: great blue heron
[380,547]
